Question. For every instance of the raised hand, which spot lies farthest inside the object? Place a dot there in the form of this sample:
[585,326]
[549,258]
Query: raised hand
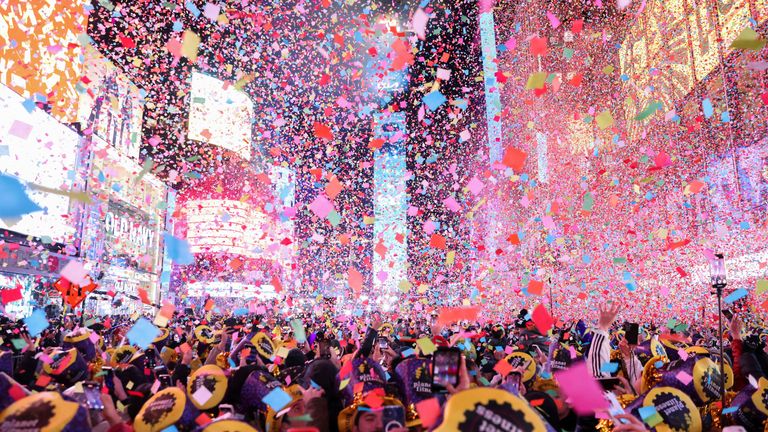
[463,378]
[632,425]
[736,326]
[608,314]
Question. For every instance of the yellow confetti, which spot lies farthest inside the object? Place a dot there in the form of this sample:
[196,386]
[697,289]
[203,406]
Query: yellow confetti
[190,45]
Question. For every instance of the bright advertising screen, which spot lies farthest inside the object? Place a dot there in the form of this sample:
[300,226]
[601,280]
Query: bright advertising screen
[38,150]
[109,104]
[220,114]
[226,226]
[127,224]
[231,290]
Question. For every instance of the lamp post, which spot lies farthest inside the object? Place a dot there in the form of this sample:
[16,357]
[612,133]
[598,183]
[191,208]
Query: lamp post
[717,275]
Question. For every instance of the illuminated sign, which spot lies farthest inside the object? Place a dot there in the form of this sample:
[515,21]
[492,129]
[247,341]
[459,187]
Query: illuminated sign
[26,260]
[231,290]
[39,51]
[37,149]
[492,97]
[225,226]
[126,226]
[390,203]
[109,104]
[220,115]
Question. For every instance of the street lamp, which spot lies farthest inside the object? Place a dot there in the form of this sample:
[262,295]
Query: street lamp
[717,275]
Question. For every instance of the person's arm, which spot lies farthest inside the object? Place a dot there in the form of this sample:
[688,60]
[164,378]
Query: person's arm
[600,349]
[737,349]
[631,365]
[366,348]
[181,373]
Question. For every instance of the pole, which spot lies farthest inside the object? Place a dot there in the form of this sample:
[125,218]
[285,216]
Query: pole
[550,298]
[550,295]
[719,288]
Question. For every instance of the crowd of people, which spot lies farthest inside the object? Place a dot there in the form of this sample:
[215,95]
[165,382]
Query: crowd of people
[208,372]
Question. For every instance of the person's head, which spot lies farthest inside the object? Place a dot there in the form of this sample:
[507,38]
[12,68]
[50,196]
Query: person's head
[367,420]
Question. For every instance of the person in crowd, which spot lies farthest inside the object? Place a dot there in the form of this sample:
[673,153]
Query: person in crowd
[328,374]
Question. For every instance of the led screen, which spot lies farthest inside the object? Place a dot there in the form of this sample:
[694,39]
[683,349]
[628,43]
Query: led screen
[230,290]
[109,104]
[220,115]
[124,228]
[37,149]
[225,226]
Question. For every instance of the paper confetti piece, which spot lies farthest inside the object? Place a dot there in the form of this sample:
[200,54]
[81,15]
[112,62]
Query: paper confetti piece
[584,393]
[36,322]
[178,250]
[735,295]
[553,20]
[322,131]
[684,377]
[189,45]
[542,319]
[748,39]
[202,395]
[434,100]
[15,202]
[419,23]
[429,411]
[75,273]
[426,346]
[503,368]
[11,295]
[514,158]
[277,399]
[20,129]
[535,287]
[536,80]
[142,333]
[355,279]
[604,120]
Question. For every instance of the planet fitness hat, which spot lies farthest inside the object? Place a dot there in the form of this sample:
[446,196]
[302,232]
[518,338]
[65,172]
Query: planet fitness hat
[168,407]
[46,411]
[81,339]
[258,384]
[66,367]
[212,378]
[227,425]
[482,409]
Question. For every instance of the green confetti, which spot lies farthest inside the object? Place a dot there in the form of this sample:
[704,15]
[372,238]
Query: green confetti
[649,110]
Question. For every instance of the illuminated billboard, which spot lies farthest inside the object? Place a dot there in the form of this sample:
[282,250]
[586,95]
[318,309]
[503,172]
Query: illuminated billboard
[231,290]
[220,114]
[109,104]
[226,226]
[39,150]
[124,228]
[39,51]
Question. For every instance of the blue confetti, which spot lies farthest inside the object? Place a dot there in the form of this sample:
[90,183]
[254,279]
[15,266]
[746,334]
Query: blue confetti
[732,297]
[15,201]
[36,323]
[434,100]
